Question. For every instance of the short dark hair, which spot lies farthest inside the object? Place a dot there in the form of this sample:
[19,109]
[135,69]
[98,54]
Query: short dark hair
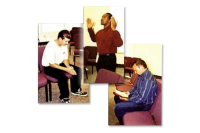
[63,34]
[141,62]
[109,15]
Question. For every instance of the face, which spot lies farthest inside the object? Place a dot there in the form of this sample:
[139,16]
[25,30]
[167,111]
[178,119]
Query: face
[138,69]
[64,41]
[105,19]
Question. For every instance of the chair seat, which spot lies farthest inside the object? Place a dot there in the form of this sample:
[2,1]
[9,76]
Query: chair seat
[138,118]
[124,88]
[54,80]
[42,81]
[91,61]
[126,83]
[78,52]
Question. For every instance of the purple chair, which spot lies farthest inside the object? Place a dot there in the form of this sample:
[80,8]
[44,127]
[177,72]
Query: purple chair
[92,56]
[42,81]
[151,117]
[75,30]
[78,51]
[86,54]
[106,76]
[41,69]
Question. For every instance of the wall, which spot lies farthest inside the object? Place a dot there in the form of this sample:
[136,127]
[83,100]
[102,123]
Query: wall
[151,54]
[49,32]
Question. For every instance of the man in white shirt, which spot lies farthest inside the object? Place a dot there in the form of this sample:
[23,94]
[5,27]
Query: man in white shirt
[56,64]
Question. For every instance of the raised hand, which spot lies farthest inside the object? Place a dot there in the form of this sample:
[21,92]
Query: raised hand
[90,24]
[113,23]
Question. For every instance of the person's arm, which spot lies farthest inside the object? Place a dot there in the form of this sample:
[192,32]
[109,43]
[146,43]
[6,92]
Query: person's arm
[59,67]
[143,92]
[66,62]
[117,40]
[71,69]
[90,26]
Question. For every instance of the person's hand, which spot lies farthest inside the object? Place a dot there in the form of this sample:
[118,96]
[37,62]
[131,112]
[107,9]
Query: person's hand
[71,70]
[123,98]
[113,23]
[90,24]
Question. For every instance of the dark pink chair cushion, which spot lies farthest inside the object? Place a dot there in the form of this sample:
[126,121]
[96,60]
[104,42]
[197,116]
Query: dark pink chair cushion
[42,81]
[144,117]
[138,118]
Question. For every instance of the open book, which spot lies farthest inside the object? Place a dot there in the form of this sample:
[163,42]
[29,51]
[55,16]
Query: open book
[119,93]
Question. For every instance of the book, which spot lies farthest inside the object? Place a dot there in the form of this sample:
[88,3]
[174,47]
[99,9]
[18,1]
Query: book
[119,93]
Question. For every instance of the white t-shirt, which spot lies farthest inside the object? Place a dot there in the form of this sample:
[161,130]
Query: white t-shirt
[54,54]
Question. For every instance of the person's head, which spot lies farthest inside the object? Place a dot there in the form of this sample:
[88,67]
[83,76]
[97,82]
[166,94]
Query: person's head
[63,37]
[139,67]
[106,19]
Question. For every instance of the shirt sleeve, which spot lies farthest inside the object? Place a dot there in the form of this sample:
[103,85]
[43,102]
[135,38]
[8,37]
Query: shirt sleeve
[144,91]
[92,34]
[117,40]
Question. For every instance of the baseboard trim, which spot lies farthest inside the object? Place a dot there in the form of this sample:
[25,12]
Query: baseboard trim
[120,65]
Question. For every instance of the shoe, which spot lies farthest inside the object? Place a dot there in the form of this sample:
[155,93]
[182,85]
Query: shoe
[79,93]
[65,100]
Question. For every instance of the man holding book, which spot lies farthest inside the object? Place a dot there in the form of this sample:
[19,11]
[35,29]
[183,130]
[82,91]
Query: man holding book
[140,97]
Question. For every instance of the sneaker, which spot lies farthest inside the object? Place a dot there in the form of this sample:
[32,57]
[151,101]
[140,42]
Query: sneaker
[79,93]
[65,100]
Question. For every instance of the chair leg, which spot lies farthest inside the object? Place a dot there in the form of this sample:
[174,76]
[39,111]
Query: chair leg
[124,72]
[50,94]
[129,73]
[46,93]
[86,73]
[74,60]
[92,68]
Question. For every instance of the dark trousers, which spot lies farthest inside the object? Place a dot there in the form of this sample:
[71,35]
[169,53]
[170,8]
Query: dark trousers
[107,62]
[62,79]
[122,107]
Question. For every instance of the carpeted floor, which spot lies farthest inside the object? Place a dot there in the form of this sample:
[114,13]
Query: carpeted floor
[112,119]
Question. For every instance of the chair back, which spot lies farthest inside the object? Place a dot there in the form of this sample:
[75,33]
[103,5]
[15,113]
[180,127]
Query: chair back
[78,41]
[106,76]
[75,30]
[86,54]
[133,79]
[92,50]
[127,61]
[156,108]
[40,54]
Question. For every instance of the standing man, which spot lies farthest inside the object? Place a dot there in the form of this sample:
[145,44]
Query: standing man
[107,39]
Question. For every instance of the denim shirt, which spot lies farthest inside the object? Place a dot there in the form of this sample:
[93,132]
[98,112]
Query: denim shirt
[144,91]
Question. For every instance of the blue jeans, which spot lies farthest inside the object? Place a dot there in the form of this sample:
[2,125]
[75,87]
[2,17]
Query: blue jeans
[122,107]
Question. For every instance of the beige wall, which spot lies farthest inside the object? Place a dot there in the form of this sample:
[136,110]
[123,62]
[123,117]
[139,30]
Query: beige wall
[150,53]
[95,13]
[48,32]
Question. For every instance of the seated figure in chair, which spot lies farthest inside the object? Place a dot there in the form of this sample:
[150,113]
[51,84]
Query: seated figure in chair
[56,64]
[141,96]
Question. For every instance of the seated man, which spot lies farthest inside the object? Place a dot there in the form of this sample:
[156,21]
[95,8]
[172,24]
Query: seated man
[56,64]
[141,96]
